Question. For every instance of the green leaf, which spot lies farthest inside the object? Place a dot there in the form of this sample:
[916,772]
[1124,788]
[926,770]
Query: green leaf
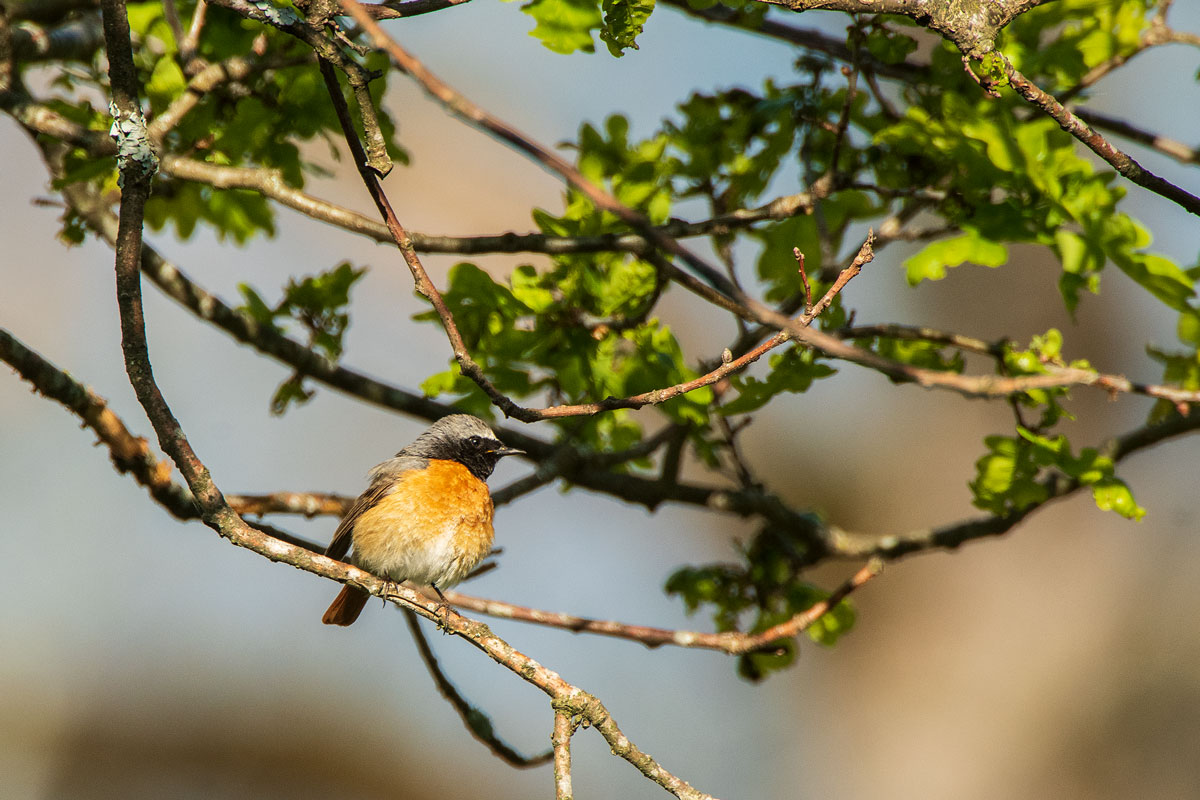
[255,306]
[1113,495]
[834,624]
[1005,478]
[1188,328]
[792,371]
[565,26]
[527,287]
[623,21]
[889,46]
[290,392]
[932,262]
[317,304]
[166,82]
[1161,277]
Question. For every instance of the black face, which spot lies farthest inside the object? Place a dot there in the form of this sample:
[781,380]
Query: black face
[462,438]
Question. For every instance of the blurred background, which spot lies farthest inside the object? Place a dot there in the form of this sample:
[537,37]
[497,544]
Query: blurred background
[145,658]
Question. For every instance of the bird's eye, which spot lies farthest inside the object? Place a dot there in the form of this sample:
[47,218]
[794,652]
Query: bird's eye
[475,441]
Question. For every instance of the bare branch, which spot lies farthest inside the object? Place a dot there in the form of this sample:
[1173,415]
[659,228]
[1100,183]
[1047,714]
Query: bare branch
[1170,147]
[730,642]
[307,504]
[74,40]
[477,722]
[399,9]
[129,453]
[424,285]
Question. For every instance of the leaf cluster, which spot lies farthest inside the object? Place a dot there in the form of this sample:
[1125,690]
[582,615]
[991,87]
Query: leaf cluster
[764,588]
[319,305]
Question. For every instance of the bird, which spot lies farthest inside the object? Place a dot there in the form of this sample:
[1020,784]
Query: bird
[426,516]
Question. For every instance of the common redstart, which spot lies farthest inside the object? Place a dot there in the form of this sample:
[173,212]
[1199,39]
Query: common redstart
[427,515]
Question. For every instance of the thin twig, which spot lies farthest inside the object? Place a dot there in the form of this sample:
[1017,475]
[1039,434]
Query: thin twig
[425,287]
[804,278]
[1170,147]
[477,722]
[730,642]
[726,367]
[306,504]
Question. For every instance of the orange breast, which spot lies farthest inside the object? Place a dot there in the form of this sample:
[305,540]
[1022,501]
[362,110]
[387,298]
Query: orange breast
[433,527]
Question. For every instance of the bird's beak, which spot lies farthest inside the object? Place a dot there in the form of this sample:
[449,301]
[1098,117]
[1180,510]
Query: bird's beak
[500,452]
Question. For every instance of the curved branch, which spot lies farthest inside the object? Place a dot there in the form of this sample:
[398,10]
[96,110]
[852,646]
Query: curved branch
[476,721]
[730,642]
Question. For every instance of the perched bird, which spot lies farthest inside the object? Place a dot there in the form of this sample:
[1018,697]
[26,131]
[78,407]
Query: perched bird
[427,515]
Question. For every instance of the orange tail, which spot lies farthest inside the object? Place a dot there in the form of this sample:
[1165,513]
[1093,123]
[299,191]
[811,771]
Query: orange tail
[346,606]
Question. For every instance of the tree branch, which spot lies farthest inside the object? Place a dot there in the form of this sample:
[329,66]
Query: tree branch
[560,739]
[424,285]
[129,453]
[801,37]
[73,40]
[1169,147]
[1119,160]
[477,722]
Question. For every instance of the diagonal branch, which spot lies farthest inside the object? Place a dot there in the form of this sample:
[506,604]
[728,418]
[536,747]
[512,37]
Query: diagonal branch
[476,721]
[1075,126]
[729,642]
[727,366]
[129,453]
[424,285]
[1167,146]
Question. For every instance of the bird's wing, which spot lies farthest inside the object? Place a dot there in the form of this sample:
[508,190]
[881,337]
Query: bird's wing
[383,481]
